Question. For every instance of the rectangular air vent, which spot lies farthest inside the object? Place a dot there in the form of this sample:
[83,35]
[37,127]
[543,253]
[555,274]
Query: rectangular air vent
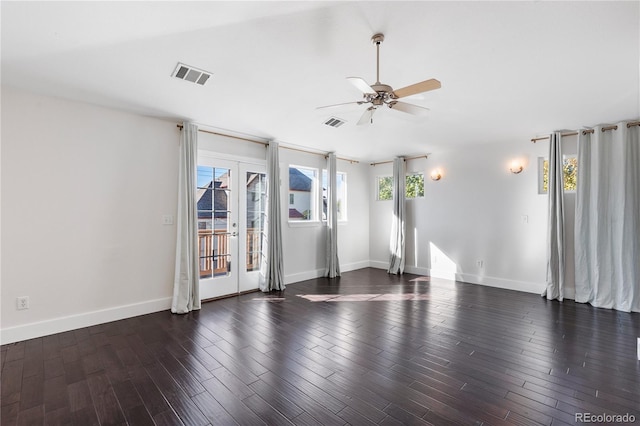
[334,122]
[192,74]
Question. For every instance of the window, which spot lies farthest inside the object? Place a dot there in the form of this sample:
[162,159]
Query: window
[414,186]
[341,183]
[212,194]
[303,192]
[384,188]
[570,172]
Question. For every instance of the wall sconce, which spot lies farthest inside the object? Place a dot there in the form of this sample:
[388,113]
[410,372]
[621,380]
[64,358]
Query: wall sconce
[436,174]
[516,167]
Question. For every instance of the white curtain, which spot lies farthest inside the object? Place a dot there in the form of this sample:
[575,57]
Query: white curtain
[186,292]
[333,264]
[555,226]
[271,271]
[607,227]
[396,242]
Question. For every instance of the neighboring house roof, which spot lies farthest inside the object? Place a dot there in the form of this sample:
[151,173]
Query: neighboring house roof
[219,203]
[298,181]
[295,214]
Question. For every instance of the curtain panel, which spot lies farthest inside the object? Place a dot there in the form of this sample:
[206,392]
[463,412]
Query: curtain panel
[607,226]
[272,270]
[186,284]
[555,226]
[332,269]
[398,220]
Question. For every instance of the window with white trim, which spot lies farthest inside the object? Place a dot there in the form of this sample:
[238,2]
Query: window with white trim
[303,194]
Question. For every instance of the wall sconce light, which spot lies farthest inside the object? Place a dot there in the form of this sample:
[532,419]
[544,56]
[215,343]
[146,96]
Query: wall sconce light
[516,167]
[436,174]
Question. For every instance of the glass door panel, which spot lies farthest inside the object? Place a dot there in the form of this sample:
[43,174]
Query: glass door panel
[252,203]
[217,226]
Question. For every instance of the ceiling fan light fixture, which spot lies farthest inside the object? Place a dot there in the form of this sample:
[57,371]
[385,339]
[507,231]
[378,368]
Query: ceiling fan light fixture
[379,94]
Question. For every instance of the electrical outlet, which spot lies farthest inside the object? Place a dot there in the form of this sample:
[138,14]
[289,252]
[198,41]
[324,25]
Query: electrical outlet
[22,302]
[524,219]
[167,219]
[480,263]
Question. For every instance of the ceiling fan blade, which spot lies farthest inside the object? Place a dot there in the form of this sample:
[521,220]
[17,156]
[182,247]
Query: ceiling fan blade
[344,103]
[361,85]
[366,116]
[423,86]
[409,108]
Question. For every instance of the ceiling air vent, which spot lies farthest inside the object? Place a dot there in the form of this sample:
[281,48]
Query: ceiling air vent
[189,73]
[334,122]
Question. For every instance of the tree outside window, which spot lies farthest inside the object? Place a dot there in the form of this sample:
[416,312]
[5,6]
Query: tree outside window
[414,185]
[570,174]
[385,188]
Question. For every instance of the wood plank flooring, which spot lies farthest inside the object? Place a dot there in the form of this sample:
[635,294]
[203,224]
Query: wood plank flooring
[454,354]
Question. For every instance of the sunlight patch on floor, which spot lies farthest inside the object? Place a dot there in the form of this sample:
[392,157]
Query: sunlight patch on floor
[363,297]
[425,278]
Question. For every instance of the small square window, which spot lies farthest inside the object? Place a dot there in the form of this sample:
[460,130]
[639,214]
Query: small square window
[414,186]
[384,188]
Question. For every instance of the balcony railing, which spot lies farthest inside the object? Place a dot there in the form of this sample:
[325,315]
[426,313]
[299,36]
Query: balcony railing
[213,248]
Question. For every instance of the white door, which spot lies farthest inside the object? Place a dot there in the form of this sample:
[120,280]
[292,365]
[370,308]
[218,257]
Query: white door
[231,199]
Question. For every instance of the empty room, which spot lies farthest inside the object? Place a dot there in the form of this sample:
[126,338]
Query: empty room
[320,213]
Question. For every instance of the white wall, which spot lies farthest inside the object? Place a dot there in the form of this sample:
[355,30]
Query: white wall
[84,190]
[475,212]
[305,242]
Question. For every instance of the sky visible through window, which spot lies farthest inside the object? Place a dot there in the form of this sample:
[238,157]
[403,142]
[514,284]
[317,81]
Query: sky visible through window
[206,174]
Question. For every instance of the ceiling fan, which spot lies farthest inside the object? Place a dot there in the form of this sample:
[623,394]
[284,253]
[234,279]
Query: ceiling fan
[379,94]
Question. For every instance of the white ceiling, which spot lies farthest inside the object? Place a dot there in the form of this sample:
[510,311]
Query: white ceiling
[509,70]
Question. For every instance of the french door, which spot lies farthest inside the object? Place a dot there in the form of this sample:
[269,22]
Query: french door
[231,200]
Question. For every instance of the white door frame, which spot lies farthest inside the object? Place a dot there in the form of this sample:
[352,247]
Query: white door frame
[238,279]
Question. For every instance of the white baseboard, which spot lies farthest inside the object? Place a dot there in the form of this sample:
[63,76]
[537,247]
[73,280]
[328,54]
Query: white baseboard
[354,266]
[378,264]
[507,284]
[317,273]
[85,319]
[303,276]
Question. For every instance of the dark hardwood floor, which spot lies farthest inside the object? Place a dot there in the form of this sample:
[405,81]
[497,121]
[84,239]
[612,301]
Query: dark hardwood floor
[451,354]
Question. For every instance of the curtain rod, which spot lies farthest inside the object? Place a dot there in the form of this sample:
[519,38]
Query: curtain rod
[584,132]
[406,159]
[180,126]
